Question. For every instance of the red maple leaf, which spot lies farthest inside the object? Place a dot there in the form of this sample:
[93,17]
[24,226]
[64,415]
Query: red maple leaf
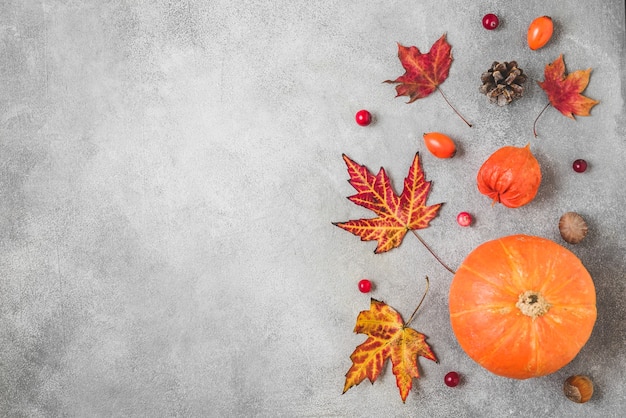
[396,214]
[564,91]
[424,72]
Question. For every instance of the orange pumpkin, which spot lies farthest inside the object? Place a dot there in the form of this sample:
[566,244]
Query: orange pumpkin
[511,176]
[522,306]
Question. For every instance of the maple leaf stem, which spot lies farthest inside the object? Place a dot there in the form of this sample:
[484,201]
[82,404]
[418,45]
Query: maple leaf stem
[537,118]
[455,111]
[406,324]
[432,252]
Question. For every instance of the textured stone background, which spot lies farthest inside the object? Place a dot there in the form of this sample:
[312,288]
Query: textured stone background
[169,172]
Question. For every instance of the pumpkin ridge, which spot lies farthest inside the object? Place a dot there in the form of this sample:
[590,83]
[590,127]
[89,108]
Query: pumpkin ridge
[573,315]
[555,322]
[536,353]
[553,287]
[508,289]
[482,308]
[574,305]
[574,339]
[513,262]
[502,343]
[551,269]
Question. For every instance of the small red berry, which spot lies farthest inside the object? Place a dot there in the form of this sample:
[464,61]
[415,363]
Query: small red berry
[579,166]
[365,286]
[452,379]
[363,117]
[490,21]
[464,219]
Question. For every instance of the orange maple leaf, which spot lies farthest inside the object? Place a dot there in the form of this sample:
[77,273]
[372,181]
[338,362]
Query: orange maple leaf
[424,72]
[564,91]
[388,337]
[396,214]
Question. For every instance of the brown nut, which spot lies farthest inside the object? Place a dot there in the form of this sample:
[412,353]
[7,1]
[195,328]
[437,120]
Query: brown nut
[578,388]
[573,227]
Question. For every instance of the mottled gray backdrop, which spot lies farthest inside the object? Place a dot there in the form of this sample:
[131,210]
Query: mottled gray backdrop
[170,172]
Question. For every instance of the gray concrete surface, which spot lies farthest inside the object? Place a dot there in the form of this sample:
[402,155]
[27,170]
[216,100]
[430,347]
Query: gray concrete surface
[169,172]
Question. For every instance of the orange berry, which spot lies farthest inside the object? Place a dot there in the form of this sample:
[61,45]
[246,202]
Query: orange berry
[440,145]
[540,32]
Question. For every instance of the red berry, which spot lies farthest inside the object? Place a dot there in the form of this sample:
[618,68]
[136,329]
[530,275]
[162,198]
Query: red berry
[464,219]
[363,117]
[452,379]
[579,166]
[365,286]
[490,21]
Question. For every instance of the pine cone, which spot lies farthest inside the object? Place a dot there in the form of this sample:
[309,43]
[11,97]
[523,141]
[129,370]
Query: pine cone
[502,83]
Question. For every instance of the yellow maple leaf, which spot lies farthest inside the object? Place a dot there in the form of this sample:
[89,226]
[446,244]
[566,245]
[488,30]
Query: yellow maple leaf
[388,337]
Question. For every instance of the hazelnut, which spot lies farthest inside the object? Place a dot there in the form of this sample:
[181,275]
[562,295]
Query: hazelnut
[573,227]
[578,388]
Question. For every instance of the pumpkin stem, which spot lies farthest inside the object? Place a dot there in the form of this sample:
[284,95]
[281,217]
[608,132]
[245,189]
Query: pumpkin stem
[432,252]
[406,324]
[532,304]
[455,111]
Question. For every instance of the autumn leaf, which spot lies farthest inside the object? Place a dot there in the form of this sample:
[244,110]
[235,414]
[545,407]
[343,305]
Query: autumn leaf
[564,91]
[388,337]
[424,72]
[396,214]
